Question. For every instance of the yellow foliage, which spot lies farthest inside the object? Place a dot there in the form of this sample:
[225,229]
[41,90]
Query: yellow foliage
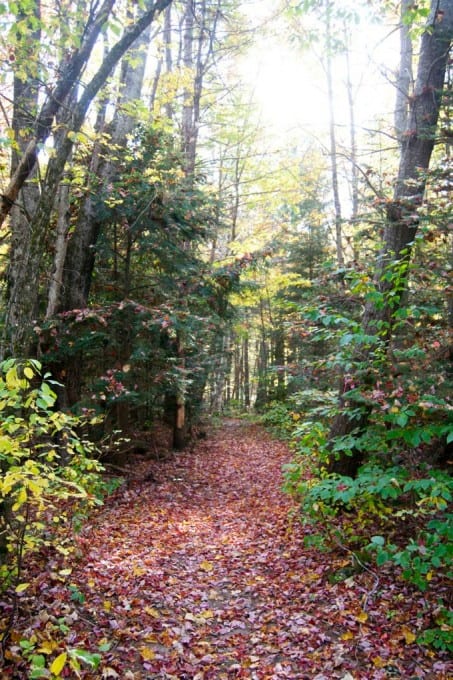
[58,664]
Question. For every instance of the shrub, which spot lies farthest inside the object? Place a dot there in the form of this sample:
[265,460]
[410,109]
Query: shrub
[48,471]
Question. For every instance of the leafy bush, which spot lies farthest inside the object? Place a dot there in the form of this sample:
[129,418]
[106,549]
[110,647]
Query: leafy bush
[48,472]
[279,419]
[396,492]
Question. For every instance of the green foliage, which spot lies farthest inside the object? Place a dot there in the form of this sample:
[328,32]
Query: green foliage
[396,508]
[441,636]
[278,418]
[48,472]
[42,665]
[156,304]
[419,559]
[400,502]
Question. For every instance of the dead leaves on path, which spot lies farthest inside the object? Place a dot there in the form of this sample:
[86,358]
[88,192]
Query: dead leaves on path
[204,576]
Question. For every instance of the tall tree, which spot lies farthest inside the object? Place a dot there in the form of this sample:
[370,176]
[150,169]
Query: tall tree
[416,147]
[27,251]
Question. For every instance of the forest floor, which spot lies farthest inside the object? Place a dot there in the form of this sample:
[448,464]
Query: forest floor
[202,574]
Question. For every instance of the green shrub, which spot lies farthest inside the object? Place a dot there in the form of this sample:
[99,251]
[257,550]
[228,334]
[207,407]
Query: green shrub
[48,471]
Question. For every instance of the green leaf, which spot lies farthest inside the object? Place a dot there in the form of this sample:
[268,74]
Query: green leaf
[378,540]
[89,658]
[38,661]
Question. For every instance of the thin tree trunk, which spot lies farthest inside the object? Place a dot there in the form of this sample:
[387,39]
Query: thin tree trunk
[333,142]
[405,75]
[246,370]
[61,245]
[169,111]
[353,148]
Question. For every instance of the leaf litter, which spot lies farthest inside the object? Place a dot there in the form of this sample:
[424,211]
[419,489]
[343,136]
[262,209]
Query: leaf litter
[204,575]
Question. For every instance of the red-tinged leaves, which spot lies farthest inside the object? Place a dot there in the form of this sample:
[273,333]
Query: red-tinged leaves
[205,576]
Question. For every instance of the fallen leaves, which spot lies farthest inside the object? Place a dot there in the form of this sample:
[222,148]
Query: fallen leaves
[206,566]
[206,577]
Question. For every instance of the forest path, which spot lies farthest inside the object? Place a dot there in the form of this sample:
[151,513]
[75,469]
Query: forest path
[202,575]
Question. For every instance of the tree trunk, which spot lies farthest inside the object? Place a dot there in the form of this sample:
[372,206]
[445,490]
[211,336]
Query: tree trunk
[25,106]
[82,246]
[353,150]
[417,144]
[333,142]
[70,74]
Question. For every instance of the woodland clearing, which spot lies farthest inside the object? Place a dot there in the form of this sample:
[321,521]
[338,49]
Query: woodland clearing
[200,572]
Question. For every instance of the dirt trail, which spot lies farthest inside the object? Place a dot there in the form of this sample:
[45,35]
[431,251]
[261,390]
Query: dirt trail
[200,569]
[202,576]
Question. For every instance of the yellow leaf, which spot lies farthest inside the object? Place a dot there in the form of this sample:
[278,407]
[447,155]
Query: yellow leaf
[11,378]
[28,372]
[36,487]
[20,500]
[107,605]
[379,662]
[408,635]
[207,614]
[206,566]
[48,646]
[151,637]
[348,635]
[65,572]
[21,587]
[58,664]
[362,617]
[152,612]
[147,653]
